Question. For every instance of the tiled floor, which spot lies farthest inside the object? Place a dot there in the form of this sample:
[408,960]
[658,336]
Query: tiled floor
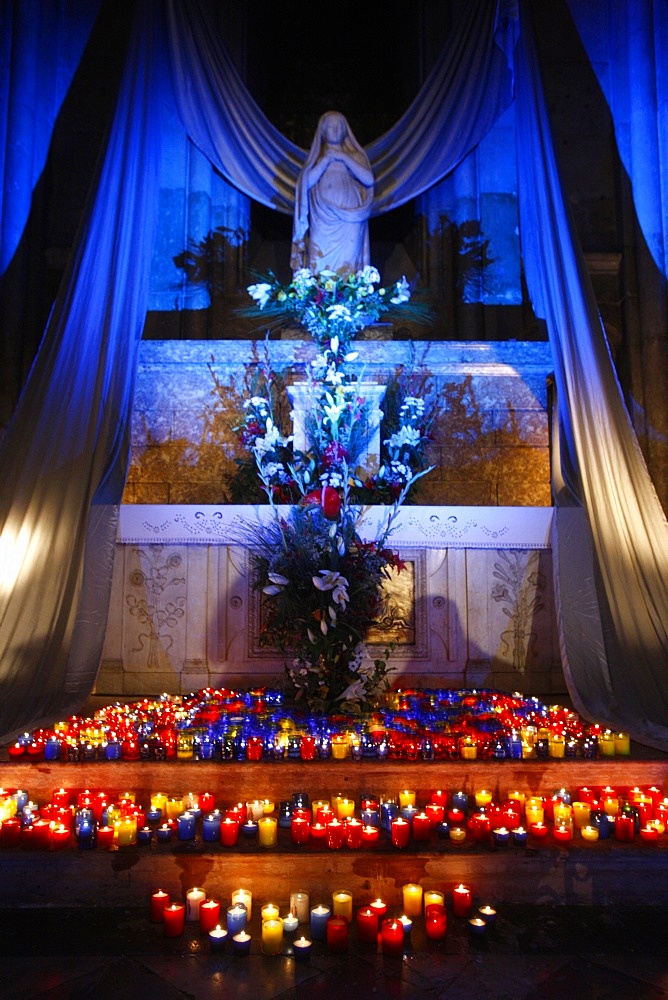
[532,953]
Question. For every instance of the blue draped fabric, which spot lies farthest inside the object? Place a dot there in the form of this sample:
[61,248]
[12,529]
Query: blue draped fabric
[610,546]
[64,456]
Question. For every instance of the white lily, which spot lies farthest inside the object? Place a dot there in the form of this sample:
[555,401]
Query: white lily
[260,292]
[331,580]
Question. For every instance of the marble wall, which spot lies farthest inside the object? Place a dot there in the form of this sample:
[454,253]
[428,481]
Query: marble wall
[490,430]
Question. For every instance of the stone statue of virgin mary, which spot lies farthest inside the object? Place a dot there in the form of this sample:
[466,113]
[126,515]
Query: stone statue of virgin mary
[333,201]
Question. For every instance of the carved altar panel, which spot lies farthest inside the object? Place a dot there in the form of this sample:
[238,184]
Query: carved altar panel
[476,607]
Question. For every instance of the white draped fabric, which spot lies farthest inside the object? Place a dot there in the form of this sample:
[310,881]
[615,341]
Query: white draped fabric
[443,124]
[64,451]
[610,532]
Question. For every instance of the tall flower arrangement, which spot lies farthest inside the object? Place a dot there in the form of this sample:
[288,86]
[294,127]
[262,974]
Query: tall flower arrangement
[321,579]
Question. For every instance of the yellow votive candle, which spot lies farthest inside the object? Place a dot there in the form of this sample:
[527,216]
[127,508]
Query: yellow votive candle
[342,904]
[345,808]
[272,936]
[267,831]
[581,814]
[433,896]
[482,798]
[412,896]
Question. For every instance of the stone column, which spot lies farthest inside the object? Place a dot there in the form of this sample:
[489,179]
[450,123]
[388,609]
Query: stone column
[301,398]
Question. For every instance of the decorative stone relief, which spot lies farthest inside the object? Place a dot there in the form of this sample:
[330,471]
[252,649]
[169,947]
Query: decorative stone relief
[155,602]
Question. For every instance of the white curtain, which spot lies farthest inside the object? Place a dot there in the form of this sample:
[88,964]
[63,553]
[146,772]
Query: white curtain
[611,537]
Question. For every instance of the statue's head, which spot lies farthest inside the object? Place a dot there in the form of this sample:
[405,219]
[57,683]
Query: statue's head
[333,127]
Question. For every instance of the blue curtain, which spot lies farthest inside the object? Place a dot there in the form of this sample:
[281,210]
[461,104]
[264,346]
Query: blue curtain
[63,459]
[610,544]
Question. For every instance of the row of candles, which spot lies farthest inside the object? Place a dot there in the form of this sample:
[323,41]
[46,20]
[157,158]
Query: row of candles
[96,818]
[328,922]
[218,724]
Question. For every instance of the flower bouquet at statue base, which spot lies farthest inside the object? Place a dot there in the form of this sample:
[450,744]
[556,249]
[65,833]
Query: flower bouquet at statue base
[321,579]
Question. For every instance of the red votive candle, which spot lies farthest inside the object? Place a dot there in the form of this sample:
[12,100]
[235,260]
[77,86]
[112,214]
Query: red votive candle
[562,834]
[392,937]
[174,919]
[461,900]
[59,835]
[229,832]
[367,925]
[401,832]
[421,827]
[370,836]
[649,834]
[354,829]
[379,907]
[254,748]
[159,900]
[435,812]
[624,828]
[435,922]
[324,814]
[337,933]
[40,833]
[538,830]
[300,830]
[318,831]
[104,836]
[10,834]
[480,825]
[209,914]
[336,832]
[60,797]
[206,801]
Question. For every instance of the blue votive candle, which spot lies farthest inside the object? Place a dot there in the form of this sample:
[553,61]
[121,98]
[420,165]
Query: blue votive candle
[185,826]
[211,827]
[460,800]
[217,938]
[519,835]
[501,836]
[249,829]
[164,834]
[319,917]
[302,949]
[241,943]
[52,749]
[237,918]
